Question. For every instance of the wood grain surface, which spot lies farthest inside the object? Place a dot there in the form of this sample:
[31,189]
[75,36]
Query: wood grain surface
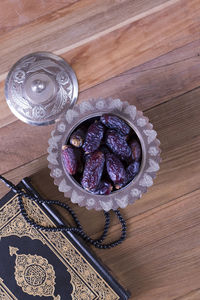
[144,52]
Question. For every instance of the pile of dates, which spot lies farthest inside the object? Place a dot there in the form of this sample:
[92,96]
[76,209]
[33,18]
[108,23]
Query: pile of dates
[103,154]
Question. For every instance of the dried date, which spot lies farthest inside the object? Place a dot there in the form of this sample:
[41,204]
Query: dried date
[90,148]
[86,156]
[69,159]
[114,122]
[93,171]
[79,157]
[93,137]
[104,188]
[135,150]
[77,138]
[115,168]
[132,170]
[117,144]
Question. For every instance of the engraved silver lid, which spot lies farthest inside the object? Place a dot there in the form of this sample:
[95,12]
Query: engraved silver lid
[39,87]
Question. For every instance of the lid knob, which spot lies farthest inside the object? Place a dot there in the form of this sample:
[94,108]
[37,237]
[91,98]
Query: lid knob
[38,86]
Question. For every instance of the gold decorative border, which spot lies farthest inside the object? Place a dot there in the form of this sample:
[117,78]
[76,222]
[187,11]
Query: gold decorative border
[8,211]
[5,293]
[84,278]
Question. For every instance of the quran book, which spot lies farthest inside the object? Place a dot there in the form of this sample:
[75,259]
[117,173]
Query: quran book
[37,264]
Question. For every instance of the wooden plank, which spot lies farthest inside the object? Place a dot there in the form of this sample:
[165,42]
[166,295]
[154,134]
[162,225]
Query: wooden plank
[165,188]
[135,43]
[72,26]
[16,174]
[154,82]
[29,137]
[18,12]
[160,258]
[177,72]
[180,154]
[194,295]
[6,116]
[105,41]
[161,251]
[172,181]
[25,143]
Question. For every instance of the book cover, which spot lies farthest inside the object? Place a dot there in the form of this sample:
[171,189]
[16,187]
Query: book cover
[36,264]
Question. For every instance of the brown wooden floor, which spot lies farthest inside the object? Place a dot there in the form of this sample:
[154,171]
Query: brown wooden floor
[146,52]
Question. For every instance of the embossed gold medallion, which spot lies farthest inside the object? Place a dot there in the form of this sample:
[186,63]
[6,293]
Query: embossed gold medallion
[34,274]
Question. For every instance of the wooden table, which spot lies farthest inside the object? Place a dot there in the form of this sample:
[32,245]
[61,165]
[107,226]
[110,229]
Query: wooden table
[146,52]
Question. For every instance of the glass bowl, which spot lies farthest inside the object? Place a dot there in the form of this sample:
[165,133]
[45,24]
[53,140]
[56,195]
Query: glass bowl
[145,133]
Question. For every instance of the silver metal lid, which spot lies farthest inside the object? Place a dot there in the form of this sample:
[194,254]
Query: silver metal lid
[39,87]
